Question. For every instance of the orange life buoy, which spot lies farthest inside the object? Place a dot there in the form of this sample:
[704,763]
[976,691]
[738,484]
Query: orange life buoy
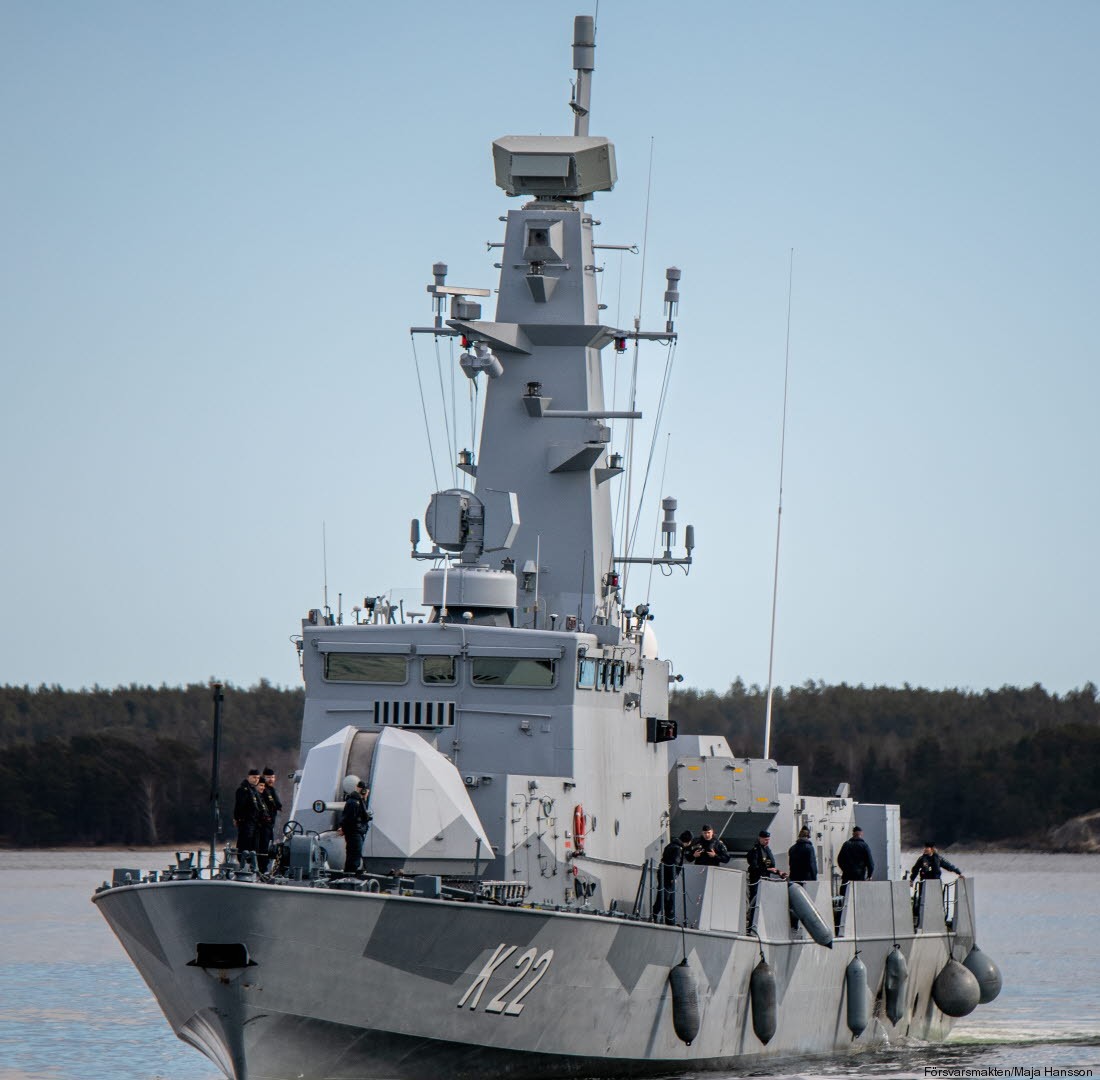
[579,829]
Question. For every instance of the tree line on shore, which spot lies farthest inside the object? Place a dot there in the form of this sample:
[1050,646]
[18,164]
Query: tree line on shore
[131,765]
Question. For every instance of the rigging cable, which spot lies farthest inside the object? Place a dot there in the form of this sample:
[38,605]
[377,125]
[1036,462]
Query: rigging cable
[779,514]
[634,374]
[454,407]
[443,401]
[662,399]
[424,410]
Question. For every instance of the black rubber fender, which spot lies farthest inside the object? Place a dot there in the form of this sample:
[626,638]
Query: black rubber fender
[858,995]
[956,991]
[685,1002]
[895,983]
[762,996]
[986,972]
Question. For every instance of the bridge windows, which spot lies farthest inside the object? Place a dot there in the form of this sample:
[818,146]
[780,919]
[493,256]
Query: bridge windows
[366,667]
[438,670]
[513,671]
[586,673]
[600,674]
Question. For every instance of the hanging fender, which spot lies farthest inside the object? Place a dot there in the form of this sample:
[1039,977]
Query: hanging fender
[579,829]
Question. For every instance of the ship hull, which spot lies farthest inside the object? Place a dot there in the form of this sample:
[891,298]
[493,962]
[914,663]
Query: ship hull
[344,985]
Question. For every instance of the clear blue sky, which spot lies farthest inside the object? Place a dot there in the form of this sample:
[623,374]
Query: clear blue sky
[218,221]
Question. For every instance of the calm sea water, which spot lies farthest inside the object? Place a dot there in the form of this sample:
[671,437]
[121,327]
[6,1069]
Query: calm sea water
[72,1007]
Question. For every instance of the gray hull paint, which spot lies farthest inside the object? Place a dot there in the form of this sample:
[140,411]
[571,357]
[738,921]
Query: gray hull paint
[368,986]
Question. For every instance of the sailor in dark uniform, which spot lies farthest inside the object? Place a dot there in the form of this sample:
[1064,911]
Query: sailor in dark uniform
[246,811]
[272,805]
[928,867]
[855,860]
[801,858]
[355,821]
[264,827]
[671,867]
[761,860]
[708,850]
[761,865]
[931,864]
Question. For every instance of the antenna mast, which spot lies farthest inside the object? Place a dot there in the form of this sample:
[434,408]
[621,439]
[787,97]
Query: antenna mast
[779,515]
[584,61]
[324,565]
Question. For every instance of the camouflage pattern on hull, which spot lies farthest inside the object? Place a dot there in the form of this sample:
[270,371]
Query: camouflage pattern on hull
[358,985]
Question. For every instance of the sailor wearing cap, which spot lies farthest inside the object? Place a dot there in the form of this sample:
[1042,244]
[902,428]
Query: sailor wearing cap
[246,811]
[708,850]
[801,857]
[761,860]
[354,821]
[854,858]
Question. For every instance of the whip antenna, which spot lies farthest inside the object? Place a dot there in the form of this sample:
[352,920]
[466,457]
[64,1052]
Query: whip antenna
[779,514]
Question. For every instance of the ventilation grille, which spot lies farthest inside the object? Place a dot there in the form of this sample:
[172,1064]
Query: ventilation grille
[420,714]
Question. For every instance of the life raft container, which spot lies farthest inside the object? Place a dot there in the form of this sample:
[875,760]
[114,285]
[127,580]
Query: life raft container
[579,829]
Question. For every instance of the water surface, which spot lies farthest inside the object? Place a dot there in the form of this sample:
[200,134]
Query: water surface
[73,1008]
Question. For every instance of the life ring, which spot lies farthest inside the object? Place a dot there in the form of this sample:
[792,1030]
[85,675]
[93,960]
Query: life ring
[579,829]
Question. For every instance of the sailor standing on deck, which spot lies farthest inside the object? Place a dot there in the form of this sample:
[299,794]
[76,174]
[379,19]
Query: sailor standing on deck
[671,867]
[801,857]
[761,865]
[931,864]
[264,827]
[761,860]
[928,867]
[246,811]
[855,860]
[354,822]
[274,803]
[708,850]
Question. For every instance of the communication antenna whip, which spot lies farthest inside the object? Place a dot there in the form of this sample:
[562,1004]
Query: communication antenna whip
[779,514]
[324,565]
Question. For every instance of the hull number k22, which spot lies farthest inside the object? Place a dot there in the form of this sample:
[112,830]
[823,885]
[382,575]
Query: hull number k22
[530,968]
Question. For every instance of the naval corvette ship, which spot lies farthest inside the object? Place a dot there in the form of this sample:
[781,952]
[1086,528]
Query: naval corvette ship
[525,775]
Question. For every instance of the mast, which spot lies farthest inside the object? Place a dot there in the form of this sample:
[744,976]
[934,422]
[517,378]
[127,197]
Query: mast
[545,438]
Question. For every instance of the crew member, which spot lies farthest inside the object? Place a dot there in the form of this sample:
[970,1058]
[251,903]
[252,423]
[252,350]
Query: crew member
[246,811]
[273,804]
[354,822]
[264,827]
[671,867]
[708,850]
[801,857]
[761,860]
[930,864]
[854,859]
[928,867]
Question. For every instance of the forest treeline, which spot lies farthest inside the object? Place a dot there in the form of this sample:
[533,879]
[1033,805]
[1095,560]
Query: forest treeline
[131,765]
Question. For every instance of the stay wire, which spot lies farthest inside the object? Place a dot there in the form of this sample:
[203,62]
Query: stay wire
[779,515]
[666,379]
[424,410]
[443,402]
[634,376]
[454,406]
